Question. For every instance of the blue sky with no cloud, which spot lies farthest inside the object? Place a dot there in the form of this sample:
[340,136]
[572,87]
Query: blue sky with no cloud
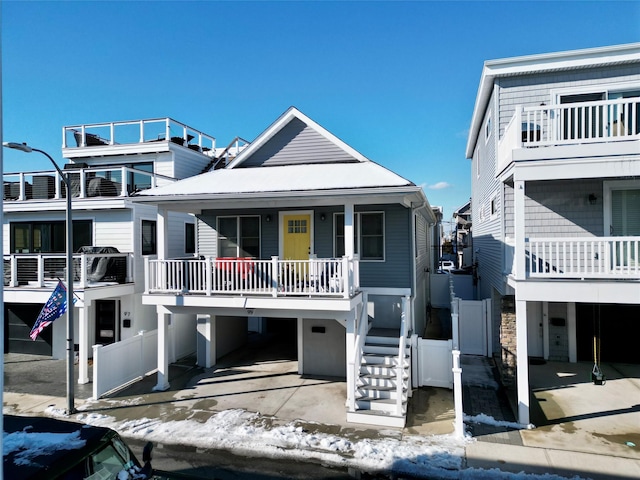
[395,80]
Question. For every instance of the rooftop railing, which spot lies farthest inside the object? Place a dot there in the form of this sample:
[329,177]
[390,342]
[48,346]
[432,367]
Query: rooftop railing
[136,132]
[85,183]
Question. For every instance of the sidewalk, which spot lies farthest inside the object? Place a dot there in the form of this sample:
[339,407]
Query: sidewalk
[291,405]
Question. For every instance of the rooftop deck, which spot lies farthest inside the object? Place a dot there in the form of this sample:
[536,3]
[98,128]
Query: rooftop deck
[167,130]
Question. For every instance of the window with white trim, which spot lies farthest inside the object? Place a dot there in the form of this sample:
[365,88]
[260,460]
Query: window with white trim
[368,232]
[149,237]
[239,236]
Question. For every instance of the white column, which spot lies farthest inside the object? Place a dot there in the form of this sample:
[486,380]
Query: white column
[522,364]
[83,344]
[571,332]
[545,330]
[163,351]
[206,340]
[519,257]
[300,347]
[351,338]
[349,240]
[163,233]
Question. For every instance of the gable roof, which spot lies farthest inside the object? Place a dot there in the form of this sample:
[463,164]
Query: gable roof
[251,183]
[289,126]
[548,62]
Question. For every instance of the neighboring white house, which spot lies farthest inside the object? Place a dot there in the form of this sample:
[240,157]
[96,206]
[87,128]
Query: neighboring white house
[302,231]
[112,235]
[555,149]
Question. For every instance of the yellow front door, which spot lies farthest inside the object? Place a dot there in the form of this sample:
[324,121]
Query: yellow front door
[296,235]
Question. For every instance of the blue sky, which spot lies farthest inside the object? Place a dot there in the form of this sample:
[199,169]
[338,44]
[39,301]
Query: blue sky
[395,80]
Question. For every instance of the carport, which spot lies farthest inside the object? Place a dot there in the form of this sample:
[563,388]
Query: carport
[572,413]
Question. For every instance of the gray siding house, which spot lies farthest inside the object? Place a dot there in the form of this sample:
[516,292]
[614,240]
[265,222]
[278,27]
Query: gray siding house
[302,233]
[555,153]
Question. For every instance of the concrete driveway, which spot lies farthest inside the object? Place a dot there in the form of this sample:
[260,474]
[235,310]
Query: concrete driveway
[261,377]
[571,413]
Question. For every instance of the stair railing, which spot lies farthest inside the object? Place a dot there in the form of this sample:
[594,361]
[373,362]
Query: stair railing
[361,335]
[401,352]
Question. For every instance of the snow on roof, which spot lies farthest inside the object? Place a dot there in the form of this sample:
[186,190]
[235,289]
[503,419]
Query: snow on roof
[284,178]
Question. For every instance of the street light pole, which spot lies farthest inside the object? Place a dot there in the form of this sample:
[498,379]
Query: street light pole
[23,147]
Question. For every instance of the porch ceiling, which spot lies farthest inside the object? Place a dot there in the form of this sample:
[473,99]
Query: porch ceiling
[623,291]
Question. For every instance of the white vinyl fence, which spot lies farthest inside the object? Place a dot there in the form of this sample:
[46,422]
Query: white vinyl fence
[122,362]
[435,363]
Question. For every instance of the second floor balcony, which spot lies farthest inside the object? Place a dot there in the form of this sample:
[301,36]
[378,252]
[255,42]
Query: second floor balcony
[315,277]
[92,182]
[586,124]
[39,270]
[577,258]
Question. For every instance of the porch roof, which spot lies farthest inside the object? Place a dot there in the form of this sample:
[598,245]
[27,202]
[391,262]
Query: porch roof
[287,183]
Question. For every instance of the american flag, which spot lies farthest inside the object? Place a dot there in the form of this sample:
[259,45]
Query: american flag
[55,307]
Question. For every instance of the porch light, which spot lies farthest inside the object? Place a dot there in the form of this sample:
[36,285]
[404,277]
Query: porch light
[267,218]
[592,199]
[23,147]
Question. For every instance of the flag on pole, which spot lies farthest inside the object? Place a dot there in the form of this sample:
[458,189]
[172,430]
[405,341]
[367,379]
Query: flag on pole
[55,307]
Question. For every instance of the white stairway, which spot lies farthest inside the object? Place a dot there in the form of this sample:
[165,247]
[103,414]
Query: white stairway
[377,382]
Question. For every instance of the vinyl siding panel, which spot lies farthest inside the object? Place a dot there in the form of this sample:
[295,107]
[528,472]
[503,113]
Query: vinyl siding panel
[395,271]
[296,143]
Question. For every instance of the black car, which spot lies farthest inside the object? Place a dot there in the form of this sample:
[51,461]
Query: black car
[39,448]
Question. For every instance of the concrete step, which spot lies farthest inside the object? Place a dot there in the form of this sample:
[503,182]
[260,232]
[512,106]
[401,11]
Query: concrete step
[371,417]
[386,405]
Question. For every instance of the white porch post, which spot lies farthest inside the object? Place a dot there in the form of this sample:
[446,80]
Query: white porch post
[206,340]
[300,347]
[545,330]
[83,341]
[163,234]
[519,257]
[163,351]
[522,363]
[351,338]
[349,240]
[571,332]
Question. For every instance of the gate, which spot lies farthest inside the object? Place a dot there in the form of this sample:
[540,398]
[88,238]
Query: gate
[474,326]
[435,363]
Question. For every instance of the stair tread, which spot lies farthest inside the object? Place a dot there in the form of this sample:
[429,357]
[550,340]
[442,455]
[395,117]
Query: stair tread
[384,332]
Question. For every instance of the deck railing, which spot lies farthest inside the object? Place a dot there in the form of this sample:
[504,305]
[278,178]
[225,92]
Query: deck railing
[90,269]
[570,124]
[584,258]
[137,131]
[85,183]
[247,276]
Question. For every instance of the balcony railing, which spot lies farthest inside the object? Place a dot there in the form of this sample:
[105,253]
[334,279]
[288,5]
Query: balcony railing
[135,132]
[582,258]
[246,276]
[85,183]
[90,270]
[571,124]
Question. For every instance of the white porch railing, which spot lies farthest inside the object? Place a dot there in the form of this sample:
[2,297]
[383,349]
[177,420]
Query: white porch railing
[137,131]
[90,269]
[85,183]
[354,363]
[247,276]
[591,257]
[570,124]
[123,362]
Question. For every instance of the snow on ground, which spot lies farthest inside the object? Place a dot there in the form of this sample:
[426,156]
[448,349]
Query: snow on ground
[250,434]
